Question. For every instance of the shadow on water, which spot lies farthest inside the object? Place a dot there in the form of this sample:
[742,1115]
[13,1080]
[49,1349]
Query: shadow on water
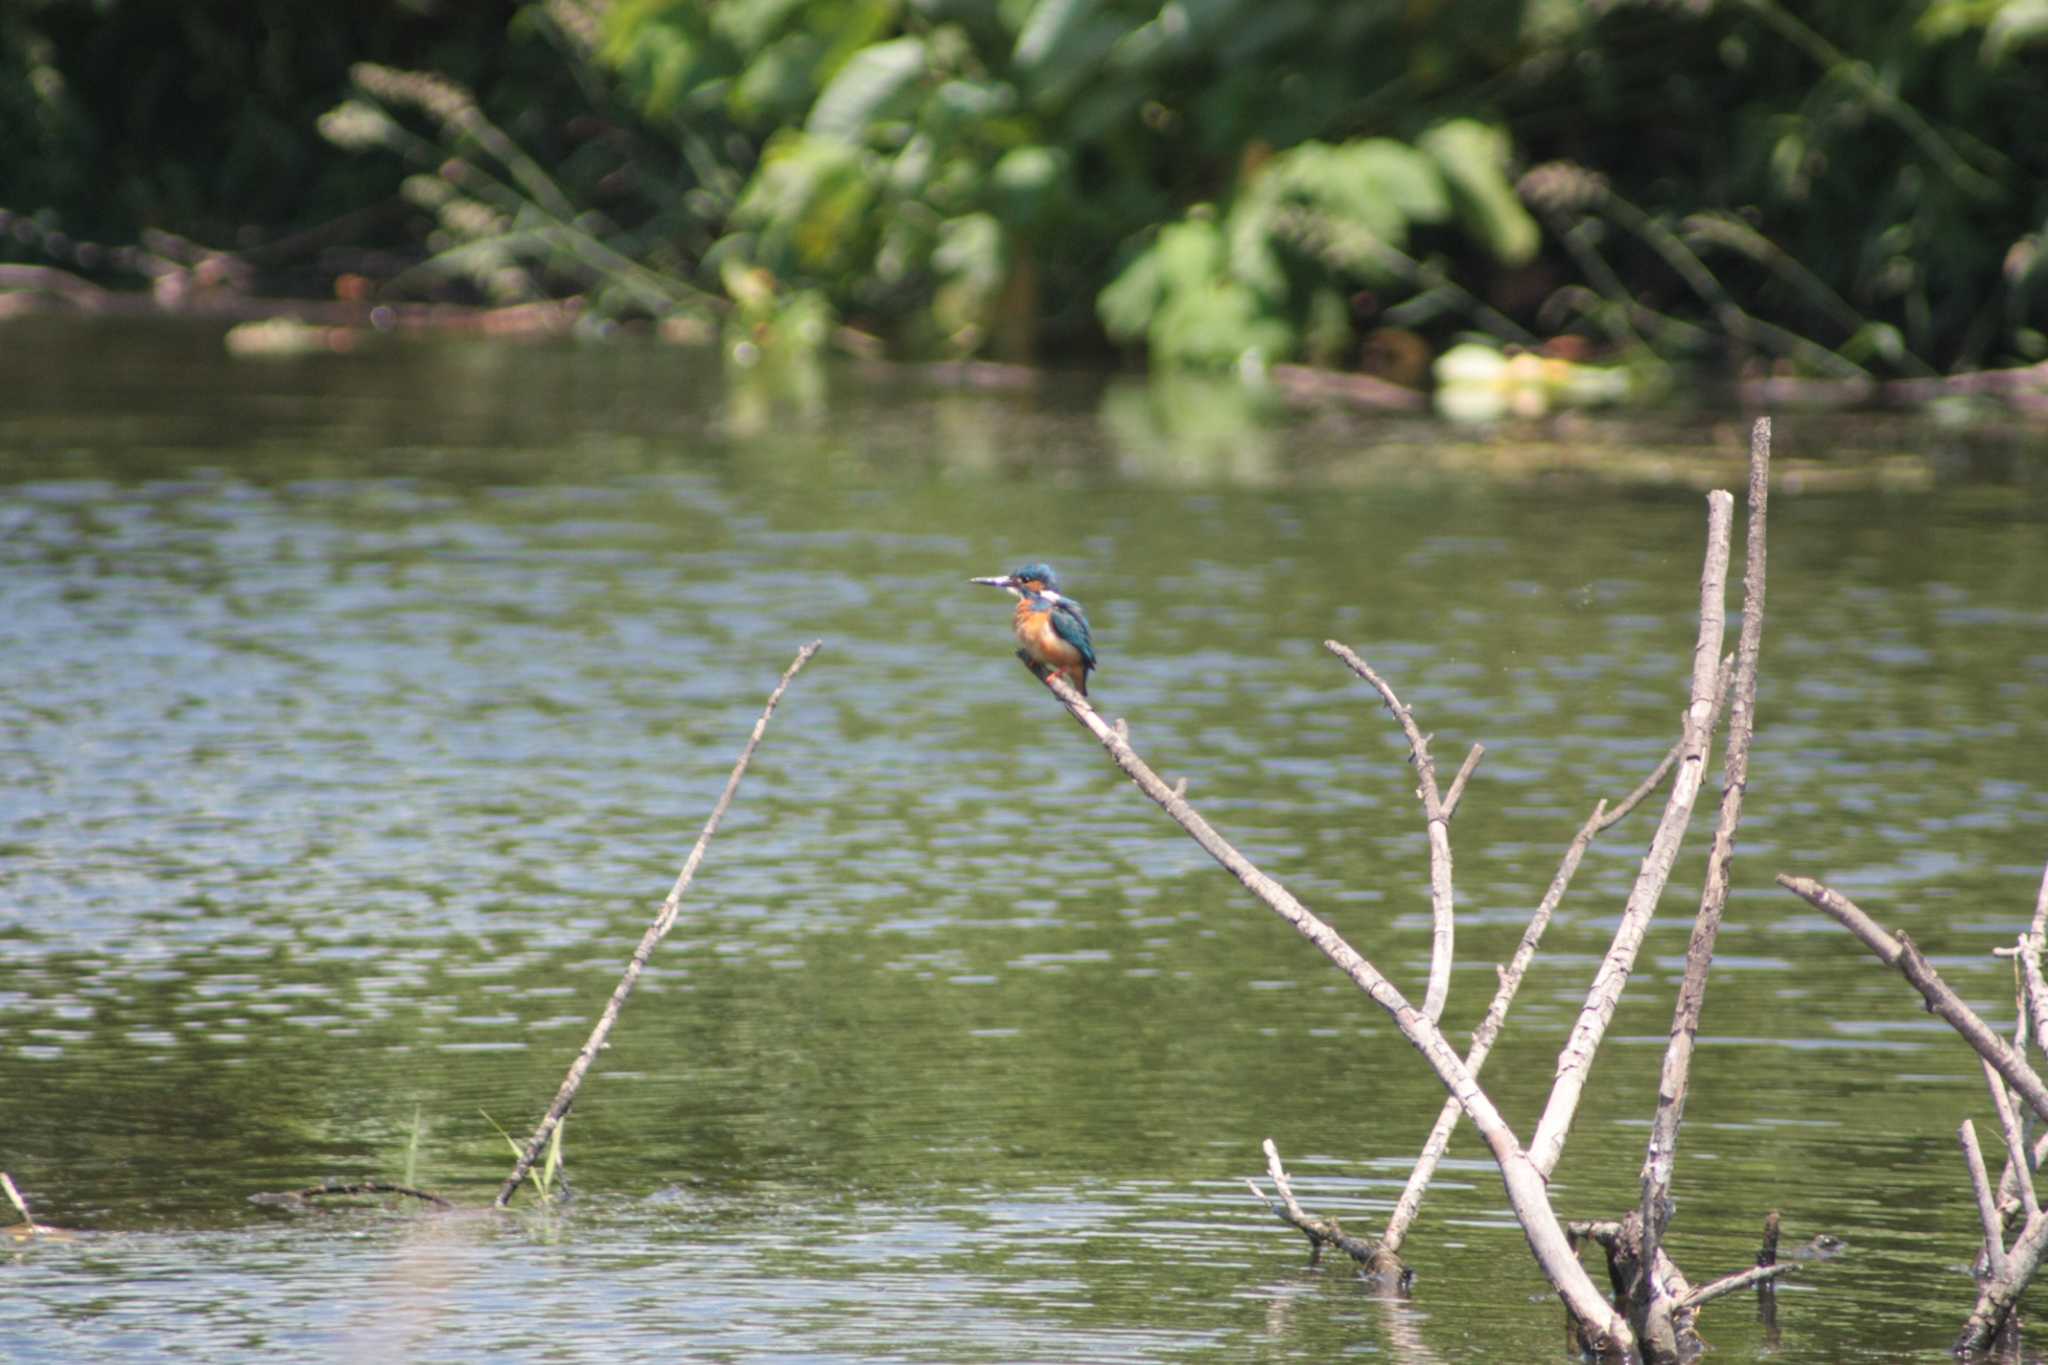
[359,709]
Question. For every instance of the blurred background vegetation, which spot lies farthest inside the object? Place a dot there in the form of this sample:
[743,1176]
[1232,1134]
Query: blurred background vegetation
[1842,189]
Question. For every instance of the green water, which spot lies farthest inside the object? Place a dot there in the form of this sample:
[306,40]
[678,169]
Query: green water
[356,712]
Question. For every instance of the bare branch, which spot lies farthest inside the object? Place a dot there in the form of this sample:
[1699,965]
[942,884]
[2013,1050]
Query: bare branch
[1320,1232]
[21,1206]
[1728,1284]
[1576,1060]
[1523,1183]
[1465,771]
[656,931]
[2039,928]
[1997,1295]
[1658,1161]
[2034,988]
[1941,998]
[1602,819]
[1437,814]
[2018,1169]
[1987,1203]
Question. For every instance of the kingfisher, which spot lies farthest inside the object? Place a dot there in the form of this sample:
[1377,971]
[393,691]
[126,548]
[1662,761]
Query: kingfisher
[1052,627]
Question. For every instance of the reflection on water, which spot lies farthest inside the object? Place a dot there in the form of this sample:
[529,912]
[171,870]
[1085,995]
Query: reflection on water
[360,709]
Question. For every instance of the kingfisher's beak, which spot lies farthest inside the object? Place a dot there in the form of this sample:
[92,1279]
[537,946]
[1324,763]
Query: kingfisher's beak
[1003,582]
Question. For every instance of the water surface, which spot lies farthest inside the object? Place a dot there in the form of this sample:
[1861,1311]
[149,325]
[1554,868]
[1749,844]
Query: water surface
[360,709]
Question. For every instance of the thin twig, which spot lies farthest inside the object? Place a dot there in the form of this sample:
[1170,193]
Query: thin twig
[1576,1059]
[1987,1204]
[1437,817]
[1699,957]
[1728,1284]
[1465,771]
[1320,1232]
[1524,1185]
[656,931]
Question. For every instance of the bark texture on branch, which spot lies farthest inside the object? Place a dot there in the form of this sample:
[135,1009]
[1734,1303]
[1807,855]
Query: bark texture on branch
[1941,998]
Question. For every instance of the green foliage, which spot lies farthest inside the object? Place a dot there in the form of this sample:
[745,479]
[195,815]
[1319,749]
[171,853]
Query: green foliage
[1312,224]
[199,117]
[1224,180]
[547,1174]
[1843,189]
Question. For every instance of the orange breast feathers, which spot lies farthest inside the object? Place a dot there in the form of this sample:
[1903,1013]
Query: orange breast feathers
[1035,632]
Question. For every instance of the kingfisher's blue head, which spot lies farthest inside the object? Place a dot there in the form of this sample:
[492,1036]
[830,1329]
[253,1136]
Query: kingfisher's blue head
[1031,579]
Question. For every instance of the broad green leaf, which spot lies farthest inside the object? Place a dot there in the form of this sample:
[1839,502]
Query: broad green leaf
[750,25]
[1127,303]
[969,261]
[1027,183]
[970,247]
[1474,159]
[807,204]
[780,83]
[1062,44]
[1191,254]
[1218,327]
[865,88]
[2018,25]
[662,58]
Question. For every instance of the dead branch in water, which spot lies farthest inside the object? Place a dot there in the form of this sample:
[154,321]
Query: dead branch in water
[663,920]
[2006,1270]
[1899,951]
[335,1189]
[28,1221]
[1436,813]
[1659,1297]
[1524,1185]
[1658,1161]
[1321,1232]
[1602,819]
[1575,1062]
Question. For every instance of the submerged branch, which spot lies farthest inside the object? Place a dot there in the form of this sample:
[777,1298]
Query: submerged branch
[656,931]
[339,1189]
[1320,1232]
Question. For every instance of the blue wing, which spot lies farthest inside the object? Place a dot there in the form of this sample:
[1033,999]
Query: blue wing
[1070,623]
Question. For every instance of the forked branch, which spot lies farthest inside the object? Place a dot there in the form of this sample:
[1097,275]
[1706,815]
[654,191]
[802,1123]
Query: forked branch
[1699,957]
[1602,819]
[1524,1185]
[1436,813]
[1575,1062]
